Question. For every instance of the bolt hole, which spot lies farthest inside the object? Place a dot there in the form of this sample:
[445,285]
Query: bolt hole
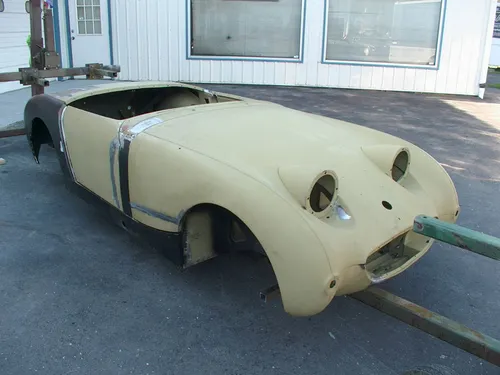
[387,205]
[124,225]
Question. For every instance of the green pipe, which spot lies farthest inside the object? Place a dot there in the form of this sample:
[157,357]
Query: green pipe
[456,235]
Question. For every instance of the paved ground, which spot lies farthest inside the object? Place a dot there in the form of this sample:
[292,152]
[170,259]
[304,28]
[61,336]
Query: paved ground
[494,77]
[78,296]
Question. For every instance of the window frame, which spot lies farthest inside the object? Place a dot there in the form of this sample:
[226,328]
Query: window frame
[92,6]
[190,56]
[435,66]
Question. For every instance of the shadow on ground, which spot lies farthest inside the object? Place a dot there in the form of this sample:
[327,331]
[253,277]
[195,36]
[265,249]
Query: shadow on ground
[78,295]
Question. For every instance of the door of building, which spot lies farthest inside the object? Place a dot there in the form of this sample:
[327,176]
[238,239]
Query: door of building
[89,31]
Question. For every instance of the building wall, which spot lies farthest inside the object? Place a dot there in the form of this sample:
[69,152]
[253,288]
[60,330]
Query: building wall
[495,52]
[149,43]
[495,43]
[14,30]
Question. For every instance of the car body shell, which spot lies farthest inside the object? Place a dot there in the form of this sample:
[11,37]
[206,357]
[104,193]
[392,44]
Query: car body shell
[257,161]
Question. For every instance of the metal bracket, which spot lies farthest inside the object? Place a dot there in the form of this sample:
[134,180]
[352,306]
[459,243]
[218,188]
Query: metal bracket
[270,293]
[51,60]
[99,71]
[31,76]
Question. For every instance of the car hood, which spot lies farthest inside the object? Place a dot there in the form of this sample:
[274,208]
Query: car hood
[261,139]
[257,135]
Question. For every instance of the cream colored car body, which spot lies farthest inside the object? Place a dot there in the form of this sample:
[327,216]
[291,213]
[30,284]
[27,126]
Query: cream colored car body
[258,160]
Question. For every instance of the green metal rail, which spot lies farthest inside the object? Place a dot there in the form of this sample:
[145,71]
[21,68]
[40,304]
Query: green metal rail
[454,333]
[474,342]
[456,235]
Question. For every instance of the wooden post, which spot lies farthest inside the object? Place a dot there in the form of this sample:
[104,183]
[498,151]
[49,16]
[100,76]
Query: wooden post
[36,47]
[48,28]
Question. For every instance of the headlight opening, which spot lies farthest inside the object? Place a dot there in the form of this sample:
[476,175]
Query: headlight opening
[323,193]
[400,165]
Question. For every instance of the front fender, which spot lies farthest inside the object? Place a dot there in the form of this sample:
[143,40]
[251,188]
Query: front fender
[434,181]
[302,268]
[172,179]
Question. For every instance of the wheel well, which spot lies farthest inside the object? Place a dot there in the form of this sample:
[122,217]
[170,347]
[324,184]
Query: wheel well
[40,133]
[215,230]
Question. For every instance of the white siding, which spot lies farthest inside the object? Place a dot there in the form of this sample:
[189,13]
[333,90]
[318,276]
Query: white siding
[495,52]
[149,39]
[14,30]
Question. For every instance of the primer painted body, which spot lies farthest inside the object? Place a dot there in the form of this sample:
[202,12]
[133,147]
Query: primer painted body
[257,159]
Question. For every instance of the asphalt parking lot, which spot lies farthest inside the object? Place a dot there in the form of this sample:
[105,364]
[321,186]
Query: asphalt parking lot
[78,296]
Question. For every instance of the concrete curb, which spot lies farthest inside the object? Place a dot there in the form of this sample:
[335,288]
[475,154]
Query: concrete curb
[14,126]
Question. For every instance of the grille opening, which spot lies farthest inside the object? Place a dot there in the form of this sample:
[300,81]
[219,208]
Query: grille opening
[322,193]
[400,165]
[390,257]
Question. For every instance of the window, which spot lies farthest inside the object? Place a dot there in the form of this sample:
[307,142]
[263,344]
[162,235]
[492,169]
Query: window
[496,28]
[246,29]
[89,16]
[383,31]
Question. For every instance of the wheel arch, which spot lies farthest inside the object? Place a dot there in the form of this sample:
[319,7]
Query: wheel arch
[39,135]
[41,122]
[296,256]
[212,232]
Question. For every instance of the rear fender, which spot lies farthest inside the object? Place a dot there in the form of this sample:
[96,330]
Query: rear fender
[41,122]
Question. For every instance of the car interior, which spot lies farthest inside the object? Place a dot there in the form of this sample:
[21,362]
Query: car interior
[125,104]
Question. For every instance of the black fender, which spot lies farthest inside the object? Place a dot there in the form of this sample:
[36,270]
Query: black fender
[42,115]
[42,109]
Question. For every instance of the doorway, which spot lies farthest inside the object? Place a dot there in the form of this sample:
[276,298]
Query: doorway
[89,31]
